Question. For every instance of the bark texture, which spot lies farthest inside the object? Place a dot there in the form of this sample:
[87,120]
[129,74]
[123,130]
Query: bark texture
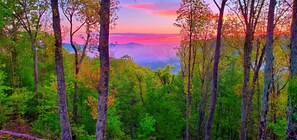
[189,77]
[215,71]
[246,76]
[250,11]
[292,97]
[104,68]
[63,110]
[268,73]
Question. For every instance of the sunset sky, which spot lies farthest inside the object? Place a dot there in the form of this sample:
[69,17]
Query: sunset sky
[149,24]
[146,22]
[148,16]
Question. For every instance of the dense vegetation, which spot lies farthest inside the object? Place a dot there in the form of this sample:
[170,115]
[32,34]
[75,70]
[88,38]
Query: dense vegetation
[152,104]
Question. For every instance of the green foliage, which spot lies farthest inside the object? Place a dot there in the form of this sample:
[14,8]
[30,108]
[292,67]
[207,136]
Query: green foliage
[147,128]
[113,126]
[47,123]
[279,128]
[166,108]
[228,106]
[18,101]
[292,96]
[81,133]
[4,109]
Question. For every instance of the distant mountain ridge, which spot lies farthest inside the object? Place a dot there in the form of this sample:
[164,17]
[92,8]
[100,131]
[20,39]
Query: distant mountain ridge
[153,56]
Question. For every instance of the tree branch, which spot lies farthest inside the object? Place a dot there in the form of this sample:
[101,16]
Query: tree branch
[217,4]
[19,135]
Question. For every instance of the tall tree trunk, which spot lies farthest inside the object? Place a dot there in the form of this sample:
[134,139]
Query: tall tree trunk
[63,110]
[215,71]
[33,42]
[14,58]
[258,64]
[104,68]
[246,73]
[292,97]
[139,78]
[201,111]
[268,70]
[189,86]
[75,95]
[250,11]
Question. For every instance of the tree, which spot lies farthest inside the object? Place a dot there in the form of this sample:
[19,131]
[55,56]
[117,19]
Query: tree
[104,68]
[292,96]
[192,15]
[268,70]
[215,70]
[189,24]
[63,110]
[250,11]
[78,9]
[29,14]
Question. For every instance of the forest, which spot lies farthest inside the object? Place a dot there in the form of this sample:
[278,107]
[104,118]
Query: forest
[237,76]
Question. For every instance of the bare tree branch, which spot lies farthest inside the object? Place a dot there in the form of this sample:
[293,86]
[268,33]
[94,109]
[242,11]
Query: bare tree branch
[19,135]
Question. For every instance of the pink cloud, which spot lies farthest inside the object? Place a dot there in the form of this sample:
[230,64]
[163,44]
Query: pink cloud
[153,8]
[171,13]
[145,6]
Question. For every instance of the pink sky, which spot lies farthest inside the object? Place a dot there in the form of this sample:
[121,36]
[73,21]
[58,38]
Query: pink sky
[145,22]
[149,23]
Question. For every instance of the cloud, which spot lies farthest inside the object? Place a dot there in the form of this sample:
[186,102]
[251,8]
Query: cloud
[144,6]
[165,13]
[155,8]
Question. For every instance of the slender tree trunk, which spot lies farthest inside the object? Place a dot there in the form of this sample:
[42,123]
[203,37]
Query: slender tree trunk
[104,68]
[14,67]
[189,86]
[140,89]
[14,58]
[250,10]
[75,95]
[63,111]
[33,43]
[200,121]
[245,90]
[268,70]
[201,115]
[215,72]
[188,95]
[258,64]
[292,97]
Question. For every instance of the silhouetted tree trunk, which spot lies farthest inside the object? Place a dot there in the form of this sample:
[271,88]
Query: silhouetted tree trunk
[268,70]
[63,110]
[14,66]
[104,68]
[292,97]
[215,71]
[246,76]
[189,86]
[250,10]
[35,59]
[258,63]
